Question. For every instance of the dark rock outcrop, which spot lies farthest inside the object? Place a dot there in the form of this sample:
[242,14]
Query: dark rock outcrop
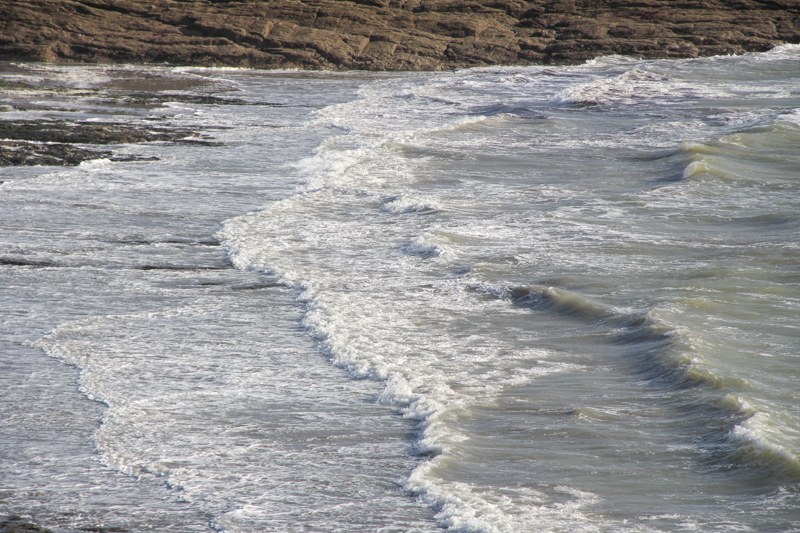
[387,34]
[62,143]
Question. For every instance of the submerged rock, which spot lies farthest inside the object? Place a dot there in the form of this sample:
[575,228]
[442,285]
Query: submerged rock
[16,524]
[387,34]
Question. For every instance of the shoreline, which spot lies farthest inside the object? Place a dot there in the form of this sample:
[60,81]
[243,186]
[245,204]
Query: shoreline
[387,35]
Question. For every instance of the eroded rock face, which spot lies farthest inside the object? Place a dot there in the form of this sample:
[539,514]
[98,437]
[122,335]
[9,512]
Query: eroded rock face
[387,34]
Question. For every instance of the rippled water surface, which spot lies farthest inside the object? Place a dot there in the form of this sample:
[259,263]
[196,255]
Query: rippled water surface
[529,299]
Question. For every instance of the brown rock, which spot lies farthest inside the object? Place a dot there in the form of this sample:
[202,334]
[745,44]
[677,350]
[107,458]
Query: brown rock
[386,34]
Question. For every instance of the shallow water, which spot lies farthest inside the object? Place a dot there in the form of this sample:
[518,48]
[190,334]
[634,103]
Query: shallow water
[505,299]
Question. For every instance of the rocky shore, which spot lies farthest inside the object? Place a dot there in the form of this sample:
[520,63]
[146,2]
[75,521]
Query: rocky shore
[340,34]
[387,34]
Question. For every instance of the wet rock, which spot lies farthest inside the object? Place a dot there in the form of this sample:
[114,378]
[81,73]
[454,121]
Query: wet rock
[20,153]
[387,34]
[54,143]
[62,131]
[65,142]
[16,524]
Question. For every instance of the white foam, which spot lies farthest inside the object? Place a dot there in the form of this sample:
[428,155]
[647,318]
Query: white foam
[637,84]
[412,204]
[469,508]
[758,438]
[780,52]
[427,246]
[94,165]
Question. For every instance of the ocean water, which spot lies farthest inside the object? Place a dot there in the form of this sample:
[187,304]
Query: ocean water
[529,299]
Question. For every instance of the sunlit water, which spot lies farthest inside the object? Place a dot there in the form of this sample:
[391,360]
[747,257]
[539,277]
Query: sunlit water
[496,300]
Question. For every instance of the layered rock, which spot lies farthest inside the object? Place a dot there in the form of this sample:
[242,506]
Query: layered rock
[387,34]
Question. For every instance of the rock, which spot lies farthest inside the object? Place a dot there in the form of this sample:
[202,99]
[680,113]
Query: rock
[60,131]
[16,524]
[386,34]
[19,153]
[64,142]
